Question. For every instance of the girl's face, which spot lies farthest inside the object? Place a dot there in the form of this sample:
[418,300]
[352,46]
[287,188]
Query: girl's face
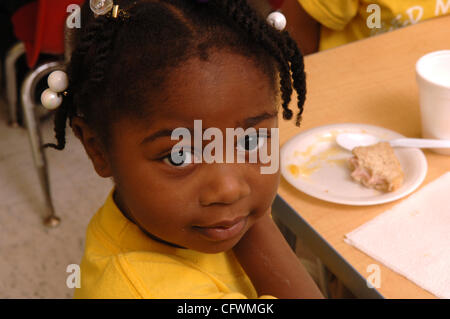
[205,207]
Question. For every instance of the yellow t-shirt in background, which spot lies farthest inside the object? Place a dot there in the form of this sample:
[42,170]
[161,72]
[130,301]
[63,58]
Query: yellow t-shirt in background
[344,21]
[120,261]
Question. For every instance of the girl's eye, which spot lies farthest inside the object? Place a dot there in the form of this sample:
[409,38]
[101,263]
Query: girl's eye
[251,142]
[179,158]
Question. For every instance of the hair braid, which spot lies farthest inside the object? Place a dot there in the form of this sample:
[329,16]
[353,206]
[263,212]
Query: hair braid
[269,38]
[103,50]
[60,128]
[298,73]
[68,108]
[295,58]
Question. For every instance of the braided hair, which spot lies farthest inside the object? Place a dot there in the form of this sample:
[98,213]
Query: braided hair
[119,62]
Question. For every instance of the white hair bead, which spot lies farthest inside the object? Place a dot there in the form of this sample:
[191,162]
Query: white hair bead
[58,81]
[277,20]
[50,99]
[101,7]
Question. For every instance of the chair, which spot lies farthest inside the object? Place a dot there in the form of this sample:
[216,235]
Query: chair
[39,26]
[276,4]
[48,18]
[34,132]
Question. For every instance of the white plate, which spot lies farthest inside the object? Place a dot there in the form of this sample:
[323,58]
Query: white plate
[314,164]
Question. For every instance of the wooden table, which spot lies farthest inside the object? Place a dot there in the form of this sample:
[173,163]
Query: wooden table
[371,81]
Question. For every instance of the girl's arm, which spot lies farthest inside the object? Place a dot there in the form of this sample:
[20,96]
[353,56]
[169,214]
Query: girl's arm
[301,26]
[271,264]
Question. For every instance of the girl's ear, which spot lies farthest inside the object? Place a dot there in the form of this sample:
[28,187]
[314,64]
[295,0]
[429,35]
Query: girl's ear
[93,146]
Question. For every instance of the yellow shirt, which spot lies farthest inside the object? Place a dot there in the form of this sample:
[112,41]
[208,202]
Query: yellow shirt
[345,21]
[120,261]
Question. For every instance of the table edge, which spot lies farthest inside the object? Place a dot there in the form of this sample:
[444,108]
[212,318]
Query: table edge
[351,278]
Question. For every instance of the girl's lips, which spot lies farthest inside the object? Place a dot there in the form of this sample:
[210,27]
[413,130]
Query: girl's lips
[220,233]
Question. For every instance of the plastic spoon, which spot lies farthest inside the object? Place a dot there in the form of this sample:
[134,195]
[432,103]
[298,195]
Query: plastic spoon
[352,140]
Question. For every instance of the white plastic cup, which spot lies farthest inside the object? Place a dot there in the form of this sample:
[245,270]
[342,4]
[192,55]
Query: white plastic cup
[433,79]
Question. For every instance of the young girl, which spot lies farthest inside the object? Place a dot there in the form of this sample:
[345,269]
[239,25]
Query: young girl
[180,229]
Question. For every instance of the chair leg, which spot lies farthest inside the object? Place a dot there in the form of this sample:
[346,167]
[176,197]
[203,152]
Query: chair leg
[11,58]
[34,134]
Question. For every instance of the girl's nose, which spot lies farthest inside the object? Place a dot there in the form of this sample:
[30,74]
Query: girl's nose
[225,185]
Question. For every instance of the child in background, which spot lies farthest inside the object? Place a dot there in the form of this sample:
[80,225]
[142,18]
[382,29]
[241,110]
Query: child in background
[180,229]
[324,24]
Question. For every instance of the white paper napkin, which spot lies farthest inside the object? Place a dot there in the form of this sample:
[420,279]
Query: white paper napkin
[413,238]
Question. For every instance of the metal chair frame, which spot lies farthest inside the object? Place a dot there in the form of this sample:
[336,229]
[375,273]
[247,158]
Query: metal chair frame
[29,106]
[34,132]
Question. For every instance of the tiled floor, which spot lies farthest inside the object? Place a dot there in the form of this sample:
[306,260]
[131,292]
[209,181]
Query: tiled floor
[33,258]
